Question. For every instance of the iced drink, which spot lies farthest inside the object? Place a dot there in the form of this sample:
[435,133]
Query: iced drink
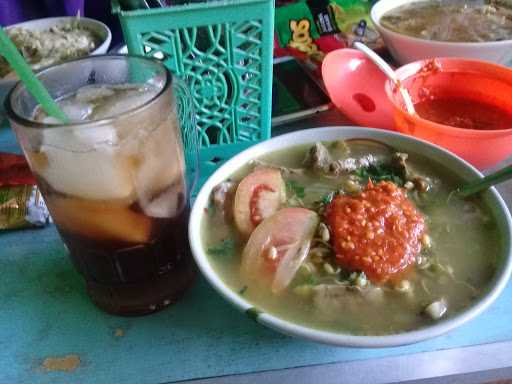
[114,181]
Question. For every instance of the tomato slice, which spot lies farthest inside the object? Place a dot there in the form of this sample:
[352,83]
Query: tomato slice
[258,196]
[278,246]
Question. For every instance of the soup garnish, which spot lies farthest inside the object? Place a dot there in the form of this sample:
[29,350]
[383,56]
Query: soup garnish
[258,196]
[452,20]
[377,231]
[350,236]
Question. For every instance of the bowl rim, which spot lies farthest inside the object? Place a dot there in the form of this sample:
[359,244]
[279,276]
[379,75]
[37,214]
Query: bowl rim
[448,44]
[494,288]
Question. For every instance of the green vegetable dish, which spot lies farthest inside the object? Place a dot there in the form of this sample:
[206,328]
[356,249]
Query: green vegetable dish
[350,236]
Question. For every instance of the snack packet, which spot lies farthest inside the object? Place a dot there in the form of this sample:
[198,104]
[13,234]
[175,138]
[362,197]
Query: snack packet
[309,29]
[21,202]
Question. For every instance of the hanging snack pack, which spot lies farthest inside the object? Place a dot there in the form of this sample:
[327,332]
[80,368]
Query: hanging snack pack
[309,29]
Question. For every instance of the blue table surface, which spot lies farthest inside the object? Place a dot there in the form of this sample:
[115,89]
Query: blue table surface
[45,314]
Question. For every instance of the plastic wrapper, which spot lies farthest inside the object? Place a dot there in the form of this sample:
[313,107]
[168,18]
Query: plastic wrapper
[308,30]
[21,202]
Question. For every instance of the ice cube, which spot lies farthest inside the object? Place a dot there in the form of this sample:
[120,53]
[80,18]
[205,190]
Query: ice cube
[50,120]
[75,110]
[122,102]
[95,136]
[86,163]
[161,165]
[140,87]
[92,93]
[167,204]
[100,220]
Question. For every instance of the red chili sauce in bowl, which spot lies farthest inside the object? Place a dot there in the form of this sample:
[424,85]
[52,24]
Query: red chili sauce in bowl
[464,113]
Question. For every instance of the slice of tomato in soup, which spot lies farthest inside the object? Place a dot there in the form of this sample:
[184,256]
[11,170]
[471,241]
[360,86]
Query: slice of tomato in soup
[278,246]
[378,231]
[258,196]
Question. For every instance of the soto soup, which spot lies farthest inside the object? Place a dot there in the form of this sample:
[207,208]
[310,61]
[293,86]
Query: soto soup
[350,236]
[452,20]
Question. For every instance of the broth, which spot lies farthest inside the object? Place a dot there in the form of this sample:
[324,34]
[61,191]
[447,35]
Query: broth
[455,264]
[454,20]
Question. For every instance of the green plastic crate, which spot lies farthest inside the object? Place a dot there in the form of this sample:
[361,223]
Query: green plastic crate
[223,51]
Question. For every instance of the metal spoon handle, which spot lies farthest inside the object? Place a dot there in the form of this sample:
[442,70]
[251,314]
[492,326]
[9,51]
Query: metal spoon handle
[488,181]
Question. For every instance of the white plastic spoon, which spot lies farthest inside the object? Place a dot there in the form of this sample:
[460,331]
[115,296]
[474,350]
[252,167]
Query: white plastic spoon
[389,72]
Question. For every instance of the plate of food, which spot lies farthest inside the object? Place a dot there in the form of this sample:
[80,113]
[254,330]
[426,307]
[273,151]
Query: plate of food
[48,41]
[351,236]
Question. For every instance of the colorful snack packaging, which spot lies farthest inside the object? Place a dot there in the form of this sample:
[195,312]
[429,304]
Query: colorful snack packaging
[21,203]
[309,29]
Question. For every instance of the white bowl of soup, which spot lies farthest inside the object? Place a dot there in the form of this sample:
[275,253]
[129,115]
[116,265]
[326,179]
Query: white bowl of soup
[416,30]
[351,236]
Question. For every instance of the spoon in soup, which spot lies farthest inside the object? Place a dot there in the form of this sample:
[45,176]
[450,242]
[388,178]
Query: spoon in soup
[389,72]
[494,178]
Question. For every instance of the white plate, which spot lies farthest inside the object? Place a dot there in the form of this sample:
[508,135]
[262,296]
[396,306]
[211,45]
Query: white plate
[100,29]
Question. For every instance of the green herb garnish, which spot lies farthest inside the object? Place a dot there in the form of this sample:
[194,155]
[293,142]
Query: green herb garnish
[253,313]
[380,172]
[294,188]
[326,199]
[310,280]
[224,248]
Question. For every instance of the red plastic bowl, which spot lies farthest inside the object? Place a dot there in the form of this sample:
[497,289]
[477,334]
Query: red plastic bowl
[452,77]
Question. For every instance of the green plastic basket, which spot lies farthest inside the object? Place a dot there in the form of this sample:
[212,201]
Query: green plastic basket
[223,52]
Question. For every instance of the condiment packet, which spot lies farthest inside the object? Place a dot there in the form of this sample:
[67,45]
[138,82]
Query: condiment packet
[21,202]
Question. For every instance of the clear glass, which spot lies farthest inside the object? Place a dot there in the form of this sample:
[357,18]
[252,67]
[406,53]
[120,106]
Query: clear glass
[117,187]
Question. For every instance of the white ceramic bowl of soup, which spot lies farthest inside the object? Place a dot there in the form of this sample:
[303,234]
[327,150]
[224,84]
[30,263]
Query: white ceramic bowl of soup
[401,142]
[406,49]
[102,32]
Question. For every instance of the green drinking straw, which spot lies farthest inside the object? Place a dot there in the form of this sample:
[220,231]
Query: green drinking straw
[24,72]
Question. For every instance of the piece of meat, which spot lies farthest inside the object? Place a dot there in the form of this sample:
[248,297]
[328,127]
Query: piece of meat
[351,164]
[222,198]
[319,158]
[399,161]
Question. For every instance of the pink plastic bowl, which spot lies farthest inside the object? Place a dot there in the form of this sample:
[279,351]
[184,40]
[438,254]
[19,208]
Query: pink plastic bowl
[356,87]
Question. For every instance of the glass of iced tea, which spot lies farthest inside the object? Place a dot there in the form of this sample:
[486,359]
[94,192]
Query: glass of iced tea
[114,178]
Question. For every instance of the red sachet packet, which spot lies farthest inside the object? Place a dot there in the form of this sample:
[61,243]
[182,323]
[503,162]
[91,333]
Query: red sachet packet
[21,202]
[14,170]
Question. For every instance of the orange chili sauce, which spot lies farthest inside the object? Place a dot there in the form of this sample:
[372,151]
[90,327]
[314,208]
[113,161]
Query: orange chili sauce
[377,232]
[464,113]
